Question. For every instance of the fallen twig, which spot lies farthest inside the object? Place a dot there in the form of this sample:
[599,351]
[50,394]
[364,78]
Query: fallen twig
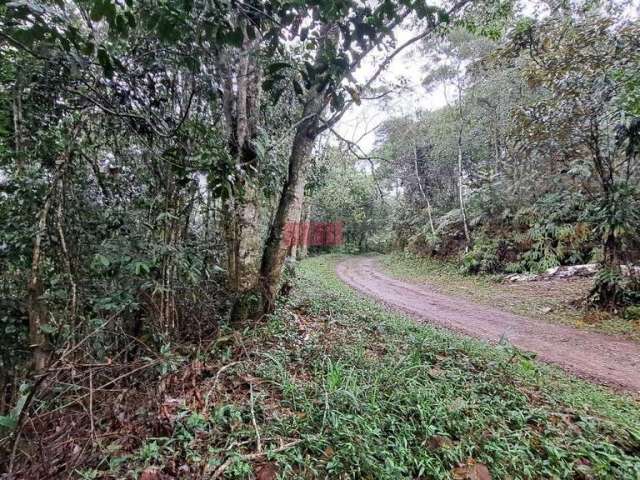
[215,381]
[93,430]
[253,419]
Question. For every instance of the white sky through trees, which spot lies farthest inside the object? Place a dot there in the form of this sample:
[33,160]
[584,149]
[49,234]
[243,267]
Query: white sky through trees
[403,78]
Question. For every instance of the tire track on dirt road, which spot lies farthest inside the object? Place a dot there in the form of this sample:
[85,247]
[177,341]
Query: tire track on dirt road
[604,359]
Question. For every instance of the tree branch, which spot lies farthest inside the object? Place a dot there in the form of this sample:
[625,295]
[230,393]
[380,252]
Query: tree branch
[368,158]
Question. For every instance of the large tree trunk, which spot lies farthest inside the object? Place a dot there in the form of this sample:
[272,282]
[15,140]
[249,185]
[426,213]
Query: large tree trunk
[244,245]
[275,250]
[36,307]
[297,216]
[305,227]
[241,213]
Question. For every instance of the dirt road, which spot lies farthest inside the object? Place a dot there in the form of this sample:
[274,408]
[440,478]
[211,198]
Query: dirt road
[605,359]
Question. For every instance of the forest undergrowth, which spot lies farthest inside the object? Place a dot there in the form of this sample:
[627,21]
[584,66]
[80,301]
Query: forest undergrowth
[331,386]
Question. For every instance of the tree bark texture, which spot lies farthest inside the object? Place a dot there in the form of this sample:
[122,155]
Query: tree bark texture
[241,213]
[275,250]
[36,306]
[303,248]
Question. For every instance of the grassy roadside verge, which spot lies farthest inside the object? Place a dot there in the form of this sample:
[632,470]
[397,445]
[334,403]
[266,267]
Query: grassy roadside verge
[551,301]
[424,400]
[334,386]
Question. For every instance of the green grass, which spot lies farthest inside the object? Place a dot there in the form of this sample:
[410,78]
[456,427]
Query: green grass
[551,302]
[372,394]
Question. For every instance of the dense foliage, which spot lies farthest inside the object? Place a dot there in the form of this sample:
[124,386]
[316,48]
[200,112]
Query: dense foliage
[533,161]
[153,155]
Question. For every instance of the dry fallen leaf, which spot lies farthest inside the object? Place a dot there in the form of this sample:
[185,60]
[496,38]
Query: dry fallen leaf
[438,441]
[267,471]
[328,453]
[471,471]
[151,473]
[583,469]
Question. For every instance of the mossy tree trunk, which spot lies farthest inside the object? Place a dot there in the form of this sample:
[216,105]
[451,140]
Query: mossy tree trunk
[242,213]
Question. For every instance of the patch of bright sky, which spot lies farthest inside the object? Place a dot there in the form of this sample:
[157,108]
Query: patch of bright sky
[406,72]
[404,76]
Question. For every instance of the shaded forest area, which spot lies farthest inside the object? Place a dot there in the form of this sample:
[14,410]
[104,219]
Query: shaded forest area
[153,155]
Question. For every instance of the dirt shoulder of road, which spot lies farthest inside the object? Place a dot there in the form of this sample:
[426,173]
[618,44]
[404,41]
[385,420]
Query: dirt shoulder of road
[556,301]
[606,359]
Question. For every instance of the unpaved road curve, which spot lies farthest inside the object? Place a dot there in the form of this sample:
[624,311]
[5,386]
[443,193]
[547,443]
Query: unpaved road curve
[605,359]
